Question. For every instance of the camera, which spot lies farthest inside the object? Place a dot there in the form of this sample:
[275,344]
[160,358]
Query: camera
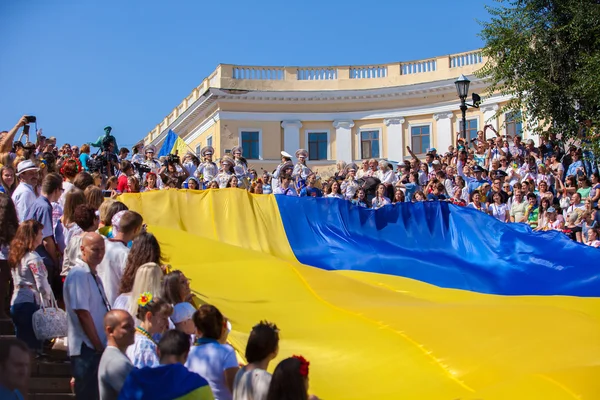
[95,164]
[30,119]
[173,159]
[141,168]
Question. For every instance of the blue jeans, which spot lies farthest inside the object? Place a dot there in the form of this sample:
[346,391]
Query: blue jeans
[85,371]
[22,314]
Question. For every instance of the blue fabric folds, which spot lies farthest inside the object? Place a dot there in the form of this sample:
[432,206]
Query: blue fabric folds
[441,244]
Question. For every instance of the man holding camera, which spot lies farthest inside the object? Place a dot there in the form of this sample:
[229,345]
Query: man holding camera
[109,163]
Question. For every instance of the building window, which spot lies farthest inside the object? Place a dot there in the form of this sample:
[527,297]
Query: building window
[251,145]
[419,138]
[209,141]
[369,144]
[514,124]
[317,145]
[472,127]
[198,148]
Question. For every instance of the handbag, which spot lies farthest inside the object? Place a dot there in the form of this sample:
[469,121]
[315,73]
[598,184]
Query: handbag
[49,322]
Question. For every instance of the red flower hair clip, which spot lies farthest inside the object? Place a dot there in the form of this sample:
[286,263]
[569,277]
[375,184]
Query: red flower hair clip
[303,365]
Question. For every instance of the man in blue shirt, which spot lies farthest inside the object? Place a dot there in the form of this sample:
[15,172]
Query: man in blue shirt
[15,367]
[438,193]
[41,211]
[474,183]
[310,189]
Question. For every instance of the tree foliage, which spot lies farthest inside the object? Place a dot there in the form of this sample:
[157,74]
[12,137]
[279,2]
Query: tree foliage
[546,55]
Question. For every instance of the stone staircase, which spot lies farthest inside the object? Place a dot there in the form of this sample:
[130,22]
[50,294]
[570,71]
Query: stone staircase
[50,379]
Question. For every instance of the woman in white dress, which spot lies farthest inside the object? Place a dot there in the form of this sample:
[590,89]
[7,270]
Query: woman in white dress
[497,209]
[207,170]
[301,170]
[336,191]
[240,166]
[226,172]
[350,184]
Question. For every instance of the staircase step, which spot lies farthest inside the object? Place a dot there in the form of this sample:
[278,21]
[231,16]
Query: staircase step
[51,396]
[51,369]
[50,385]
[6,327]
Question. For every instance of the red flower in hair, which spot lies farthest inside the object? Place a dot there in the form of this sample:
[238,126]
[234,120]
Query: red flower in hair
[303,365]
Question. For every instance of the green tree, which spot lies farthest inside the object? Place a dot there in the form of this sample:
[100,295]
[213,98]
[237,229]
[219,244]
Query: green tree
[546,55]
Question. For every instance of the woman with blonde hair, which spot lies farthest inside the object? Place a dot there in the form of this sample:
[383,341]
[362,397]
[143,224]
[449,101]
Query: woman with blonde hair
[148,278]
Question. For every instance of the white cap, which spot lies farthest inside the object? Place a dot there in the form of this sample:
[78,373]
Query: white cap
[182,312]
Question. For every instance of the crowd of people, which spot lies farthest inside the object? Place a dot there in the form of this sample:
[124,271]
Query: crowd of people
[133,329]
[553,186]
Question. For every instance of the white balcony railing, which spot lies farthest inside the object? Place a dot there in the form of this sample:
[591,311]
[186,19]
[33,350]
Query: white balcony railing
[317,74]
[417,67]
[258,73]
[368,72]
[460,60]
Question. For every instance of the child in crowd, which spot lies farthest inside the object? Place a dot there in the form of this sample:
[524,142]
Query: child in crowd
[154,315]
[182,318]
[252,381]
[290,380]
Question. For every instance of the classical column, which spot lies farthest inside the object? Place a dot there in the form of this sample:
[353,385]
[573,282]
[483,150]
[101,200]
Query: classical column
[489,110]
[291,136]
[444,137]
[343,140]
[395,139]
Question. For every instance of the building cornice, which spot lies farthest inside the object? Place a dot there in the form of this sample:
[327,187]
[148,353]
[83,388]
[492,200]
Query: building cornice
[195,110]
[446,107]
[363,95]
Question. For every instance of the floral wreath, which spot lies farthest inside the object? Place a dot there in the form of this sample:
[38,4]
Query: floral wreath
[145,299]
[79,168]
[303,365]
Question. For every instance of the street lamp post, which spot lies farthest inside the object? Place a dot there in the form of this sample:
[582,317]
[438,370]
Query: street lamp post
[462,88]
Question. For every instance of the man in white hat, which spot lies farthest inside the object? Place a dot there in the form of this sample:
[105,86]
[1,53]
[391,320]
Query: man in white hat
[24,195]
[286,160]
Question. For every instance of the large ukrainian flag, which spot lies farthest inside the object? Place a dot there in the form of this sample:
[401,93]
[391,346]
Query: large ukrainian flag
[417,301]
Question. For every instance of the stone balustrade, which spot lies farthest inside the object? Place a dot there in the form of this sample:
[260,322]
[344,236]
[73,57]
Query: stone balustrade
[270,78]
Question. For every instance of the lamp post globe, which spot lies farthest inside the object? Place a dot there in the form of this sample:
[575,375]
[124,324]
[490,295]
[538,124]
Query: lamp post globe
[462,87]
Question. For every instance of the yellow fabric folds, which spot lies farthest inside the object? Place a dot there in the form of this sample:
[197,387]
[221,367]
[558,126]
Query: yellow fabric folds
[369,335]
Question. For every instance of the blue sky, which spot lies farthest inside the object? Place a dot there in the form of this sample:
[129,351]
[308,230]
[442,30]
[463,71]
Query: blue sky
[79,65]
